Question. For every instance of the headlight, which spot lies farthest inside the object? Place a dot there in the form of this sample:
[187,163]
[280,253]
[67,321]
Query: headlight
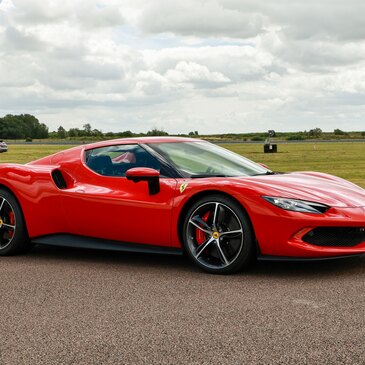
[297,205]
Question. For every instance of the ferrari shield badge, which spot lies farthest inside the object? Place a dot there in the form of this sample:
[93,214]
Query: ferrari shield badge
[183,187]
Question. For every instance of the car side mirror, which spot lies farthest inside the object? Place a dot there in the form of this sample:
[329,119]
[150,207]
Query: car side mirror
[152,176]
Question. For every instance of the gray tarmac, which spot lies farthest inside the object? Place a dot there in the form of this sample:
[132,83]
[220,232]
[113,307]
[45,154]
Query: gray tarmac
[68,306]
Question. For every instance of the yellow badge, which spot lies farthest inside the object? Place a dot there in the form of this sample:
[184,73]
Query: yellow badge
[183,187]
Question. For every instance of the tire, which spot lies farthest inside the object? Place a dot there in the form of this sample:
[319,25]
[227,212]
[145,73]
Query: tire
[217,235]
[13,233]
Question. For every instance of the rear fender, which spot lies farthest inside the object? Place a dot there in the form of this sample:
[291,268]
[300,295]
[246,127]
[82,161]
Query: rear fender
[38,197]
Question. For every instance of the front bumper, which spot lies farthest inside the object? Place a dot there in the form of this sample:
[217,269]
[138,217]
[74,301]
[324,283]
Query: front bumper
[285,233]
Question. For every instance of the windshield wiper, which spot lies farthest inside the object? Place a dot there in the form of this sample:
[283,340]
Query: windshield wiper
[267,173]
[198,176]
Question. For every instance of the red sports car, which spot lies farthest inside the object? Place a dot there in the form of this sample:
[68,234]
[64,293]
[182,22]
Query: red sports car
[175,195]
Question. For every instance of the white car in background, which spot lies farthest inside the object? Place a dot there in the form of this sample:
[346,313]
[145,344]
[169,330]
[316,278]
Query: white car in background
[3,146]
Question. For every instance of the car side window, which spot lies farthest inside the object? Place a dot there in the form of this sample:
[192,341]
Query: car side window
[116,160]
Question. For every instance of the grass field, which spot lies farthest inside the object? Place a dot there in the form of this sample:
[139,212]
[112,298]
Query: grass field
[346,160]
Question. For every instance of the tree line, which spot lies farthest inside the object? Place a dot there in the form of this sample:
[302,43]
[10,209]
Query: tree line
[26,126]
[87,132]
[23,126]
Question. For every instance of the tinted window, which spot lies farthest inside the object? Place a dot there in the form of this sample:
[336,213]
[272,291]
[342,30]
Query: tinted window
[116,160]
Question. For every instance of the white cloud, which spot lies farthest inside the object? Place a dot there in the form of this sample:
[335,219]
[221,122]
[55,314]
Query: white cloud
[191,72]
[87,14]
[222,65]
[199,18]
[6,5]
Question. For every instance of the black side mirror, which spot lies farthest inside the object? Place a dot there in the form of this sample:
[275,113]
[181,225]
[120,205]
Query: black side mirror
[152,176]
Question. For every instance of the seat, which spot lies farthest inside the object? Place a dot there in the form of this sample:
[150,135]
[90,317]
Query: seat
[144,159]
[101,164]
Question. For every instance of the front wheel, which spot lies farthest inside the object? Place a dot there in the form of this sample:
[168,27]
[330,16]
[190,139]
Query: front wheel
[217,235]
[13,233]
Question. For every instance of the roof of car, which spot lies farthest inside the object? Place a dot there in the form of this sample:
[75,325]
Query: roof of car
[140,140]
[74,153]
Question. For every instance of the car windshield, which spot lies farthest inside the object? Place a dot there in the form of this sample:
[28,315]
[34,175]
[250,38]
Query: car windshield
[204,159]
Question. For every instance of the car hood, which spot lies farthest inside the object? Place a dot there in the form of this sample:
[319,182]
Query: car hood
[311,186]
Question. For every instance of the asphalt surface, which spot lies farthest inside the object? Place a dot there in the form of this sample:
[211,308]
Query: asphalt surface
[67,306]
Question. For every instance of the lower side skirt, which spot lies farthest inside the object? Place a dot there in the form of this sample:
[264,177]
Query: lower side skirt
[305,259]
[69,240]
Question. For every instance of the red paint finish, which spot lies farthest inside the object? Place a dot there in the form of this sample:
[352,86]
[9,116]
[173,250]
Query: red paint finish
[142,172]
[119,209]
[116,208]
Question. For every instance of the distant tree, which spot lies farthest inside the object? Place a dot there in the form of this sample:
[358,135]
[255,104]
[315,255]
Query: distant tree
[363,134]
[191,134]
[295,137]
[61,132]
[73,132]
[53,135]
[157,132]
[316,132]
[87,129]
[96,133]
[32,127]
[22,126]
[10,127]
[125,134]
[196,133]
[338,132]
[43,133]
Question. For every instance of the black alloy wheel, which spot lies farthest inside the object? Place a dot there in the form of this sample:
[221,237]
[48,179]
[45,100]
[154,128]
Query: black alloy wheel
[217,235]
[13,233]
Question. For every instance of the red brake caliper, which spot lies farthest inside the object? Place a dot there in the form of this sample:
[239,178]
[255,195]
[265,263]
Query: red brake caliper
[12,222]
[200,235]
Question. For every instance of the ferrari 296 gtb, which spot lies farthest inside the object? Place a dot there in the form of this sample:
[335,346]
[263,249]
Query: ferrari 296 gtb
[174,195]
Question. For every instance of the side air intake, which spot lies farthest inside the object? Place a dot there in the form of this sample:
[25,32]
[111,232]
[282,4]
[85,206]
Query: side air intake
[58,179]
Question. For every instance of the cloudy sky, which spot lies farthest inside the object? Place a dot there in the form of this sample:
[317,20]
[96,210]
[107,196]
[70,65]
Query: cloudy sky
[214,66]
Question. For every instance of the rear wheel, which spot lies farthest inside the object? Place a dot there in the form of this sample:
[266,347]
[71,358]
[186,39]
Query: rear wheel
[217,235]
[13,233]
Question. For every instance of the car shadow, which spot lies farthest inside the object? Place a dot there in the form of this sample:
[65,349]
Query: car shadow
[321,268]
[349,266]
[70,254]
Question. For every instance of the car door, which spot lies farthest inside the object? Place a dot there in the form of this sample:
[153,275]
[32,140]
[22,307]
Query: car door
[105,204]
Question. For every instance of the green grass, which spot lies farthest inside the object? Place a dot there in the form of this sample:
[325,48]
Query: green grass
[346,160]
[28,152]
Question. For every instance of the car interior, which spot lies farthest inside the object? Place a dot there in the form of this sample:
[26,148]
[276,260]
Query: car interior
[115,162]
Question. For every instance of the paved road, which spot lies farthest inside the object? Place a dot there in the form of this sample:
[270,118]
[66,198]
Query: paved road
[65,306]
